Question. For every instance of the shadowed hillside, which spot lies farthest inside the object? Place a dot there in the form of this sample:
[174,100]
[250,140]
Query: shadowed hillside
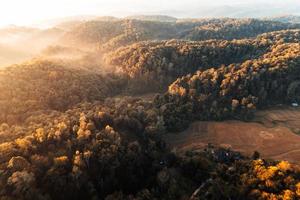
[117,144]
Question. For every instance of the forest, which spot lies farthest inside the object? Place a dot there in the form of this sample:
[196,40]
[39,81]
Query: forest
[85,117]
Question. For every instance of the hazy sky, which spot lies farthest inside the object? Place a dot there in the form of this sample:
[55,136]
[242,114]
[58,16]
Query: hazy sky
[30,11]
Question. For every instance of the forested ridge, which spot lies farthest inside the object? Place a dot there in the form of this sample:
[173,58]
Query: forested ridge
[108,35]
[286,18]
[162,62]
[47,85]
[112,150]
[74,123]
[230,29]
[158,64]
[111,34]
[237,90]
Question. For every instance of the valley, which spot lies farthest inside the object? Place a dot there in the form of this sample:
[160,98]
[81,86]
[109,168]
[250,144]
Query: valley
[150,107]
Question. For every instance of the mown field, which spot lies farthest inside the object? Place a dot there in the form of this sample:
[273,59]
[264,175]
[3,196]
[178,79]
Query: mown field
[274,133]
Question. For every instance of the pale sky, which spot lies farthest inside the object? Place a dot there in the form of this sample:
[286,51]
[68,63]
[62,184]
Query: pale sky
[24,12]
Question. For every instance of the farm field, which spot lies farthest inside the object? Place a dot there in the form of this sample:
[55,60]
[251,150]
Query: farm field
[272,132]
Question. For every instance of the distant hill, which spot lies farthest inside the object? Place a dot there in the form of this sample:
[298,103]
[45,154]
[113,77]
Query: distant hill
[286,19]
[11,34]
[56,21]
[160,18]
[230,28]
[10,55]
[256,9]
[116,33]
[109,35]
[20,37]
[69,24]
[18,44]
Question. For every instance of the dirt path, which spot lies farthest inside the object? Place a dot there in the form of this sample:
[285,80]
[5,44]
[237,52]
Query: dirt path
[272,133]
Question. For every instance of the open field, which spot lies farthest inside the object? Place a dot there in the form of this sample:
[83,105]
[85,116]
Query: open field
[273,133]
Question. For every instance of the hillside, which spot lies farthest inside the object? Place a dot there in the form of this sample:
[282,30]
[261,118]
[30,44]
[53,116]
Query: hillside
[117,144]
[230,29]
[101,32]
[21,37]
[109,35]
[150,108]
[287,19]
[45,85]
[18,44]
[10,55]
[157,64]
[235,91]
[160,18]
[162,62]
